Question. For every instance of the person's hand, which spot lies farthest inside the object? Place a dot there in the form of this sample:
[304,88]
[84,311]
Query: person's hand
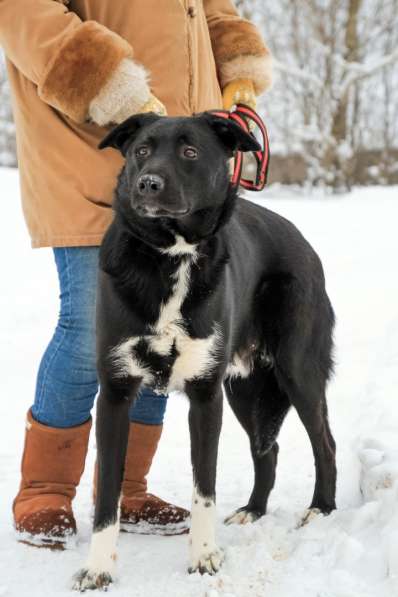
[239,91]
[153,104]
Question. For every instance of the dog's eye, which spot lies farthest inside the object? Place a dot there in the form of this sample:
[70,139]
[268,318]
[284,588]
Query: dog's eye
[143,151]
[191,153]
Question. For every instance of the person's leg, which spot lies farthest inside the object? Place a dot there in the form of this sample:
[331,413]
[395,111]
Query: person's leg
[58,423]
[146,424]
[67,378]
[149,408]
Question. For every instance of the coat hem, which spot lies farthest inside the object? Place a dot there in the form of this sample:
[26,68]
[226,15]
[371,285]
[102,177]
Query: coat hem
[86,240]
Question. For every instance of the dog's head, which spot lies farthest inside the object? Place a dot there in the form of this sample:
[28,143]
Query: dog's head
[176,167]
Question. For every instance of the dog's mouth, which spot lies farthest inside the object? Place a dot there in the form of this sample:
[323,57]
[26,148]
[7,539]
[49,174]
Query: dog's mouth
[155,211]
[161,205]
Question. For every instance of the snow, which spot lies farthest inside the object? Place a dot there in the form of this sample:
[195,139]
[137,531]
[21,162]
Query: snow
[351,553]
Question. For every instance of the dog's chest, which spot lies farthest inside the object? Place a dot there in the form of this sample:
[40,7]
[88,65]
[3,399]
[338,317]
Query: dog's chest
[166,357]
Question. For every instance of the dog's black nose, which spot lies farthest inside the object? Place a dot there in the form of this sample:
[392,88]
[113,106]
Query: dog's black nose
[150,184]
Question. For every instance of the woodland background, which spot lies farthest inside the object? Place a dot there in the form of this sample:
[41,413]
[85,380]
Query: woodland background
[333,111]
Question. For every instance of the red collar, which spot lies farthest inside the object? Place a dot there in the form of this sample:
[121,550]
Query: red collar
[241,115]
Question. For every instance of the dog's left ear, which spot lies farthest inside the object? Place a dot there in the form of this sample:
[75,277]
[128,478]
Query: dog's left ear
[123,135]
[231,134]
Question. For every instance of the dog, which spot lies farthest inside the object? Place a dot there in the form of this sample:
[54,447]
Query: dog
[200,289]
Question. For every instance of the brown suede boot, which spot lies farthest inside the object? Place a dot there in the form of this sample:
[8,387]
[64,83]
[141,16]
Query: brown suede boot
[142,512]
[52,464]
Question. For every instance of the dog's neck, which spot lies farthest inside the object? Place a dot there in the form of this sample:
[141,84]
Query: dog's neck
[143,258]
[143,255]
[203,225]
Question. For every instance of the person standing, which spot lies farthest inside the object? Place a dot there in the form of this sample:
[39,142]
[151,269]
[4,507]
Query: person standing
[76,67]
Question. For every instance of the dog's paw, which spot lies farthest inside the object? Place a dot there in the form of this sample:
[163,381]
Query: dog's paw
[208,562]
[308,516]
[86,579]
[242,516]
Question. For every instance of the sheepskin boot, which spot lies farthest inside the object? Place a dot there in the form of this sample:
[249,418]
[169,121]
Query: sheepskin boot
[52,464]
[142,512]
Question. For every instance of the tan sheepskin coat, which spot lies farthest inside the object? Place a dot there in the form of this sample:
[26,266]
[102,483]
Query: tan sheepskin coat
[61,57]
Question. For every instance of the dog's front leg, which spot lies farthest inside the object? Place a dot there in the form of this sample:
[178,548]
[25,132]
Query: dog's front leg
[205,417]
[112,436]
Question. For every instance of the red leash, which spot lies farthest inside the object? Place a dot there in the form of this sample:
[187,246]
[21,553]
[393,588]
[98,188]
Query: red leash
[241,116]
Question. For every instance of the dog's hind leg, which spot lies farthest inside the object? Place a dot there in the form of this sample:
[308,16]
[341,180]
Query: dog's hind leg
[112,436]
[309,400]
[303,367]
[205,417]
[260,407]
[298,325]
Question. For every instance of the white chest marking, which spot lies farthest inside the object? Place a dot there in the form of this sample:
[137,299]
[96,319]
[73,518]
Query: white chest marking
[181,247]
[196,356]
[125,364]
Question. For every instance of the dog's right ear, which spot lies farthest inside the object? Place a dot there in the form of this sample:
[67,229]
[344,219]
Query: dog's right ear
[123,134]
[232,136]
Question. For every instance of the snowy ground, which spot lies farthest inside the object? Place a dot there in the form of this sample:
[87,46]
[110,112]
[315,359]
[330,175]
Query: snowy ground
[351,553]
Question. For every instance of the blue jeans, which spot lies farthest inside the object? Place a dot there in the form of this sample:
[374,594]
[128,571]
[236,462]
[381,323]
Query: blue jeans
[67,379]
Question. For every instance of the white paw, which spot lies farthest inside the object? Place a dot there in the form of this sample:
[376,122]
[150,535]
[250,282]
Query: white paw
[86,579]
[207,562]
[309,515]
[241,516]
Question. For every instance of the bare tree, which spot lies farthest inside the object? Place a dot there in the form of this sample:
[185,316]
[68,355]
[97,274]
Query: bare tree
[336,94]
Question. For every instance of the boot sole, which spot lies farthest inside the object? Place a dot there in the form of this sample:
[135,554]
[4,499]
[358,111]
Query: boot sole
[146,528]
[54,546]
[42,542]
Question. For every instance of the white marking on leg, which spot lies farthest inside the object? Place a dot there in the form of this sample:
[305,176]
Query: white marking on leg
[242,517]
[101,562]
[309,516]
[102,554]
[204,553]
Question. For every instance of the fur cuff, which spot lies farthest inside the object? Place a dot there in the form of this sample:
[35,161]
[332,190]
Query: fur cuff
[257,69]
[79,70]
[240,53]
[123,95]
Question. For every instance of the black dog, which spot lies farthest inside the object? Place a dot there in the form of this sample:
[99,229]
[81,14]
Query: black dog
[199,287]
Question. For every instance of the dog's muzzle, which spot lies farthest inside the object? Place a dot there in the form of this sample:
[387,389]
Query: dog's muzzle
[152,201]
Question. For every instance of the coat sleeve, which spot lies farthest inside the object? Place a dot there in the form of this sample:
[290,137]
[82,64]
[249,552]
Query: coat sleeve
[69,60]
[238,48]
